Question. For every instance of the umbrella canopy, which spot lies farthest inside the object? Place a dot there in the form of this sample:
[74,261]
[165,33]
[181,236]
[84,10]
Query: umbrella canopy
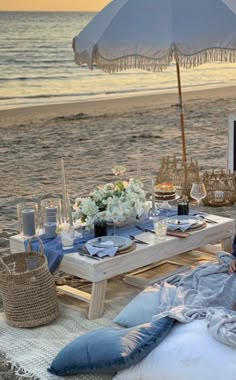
[149,34]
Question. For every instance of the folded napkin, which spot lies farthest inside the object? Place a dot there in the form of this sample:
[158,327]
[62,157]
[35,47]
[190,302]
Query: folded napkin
[101,252]
[181,227]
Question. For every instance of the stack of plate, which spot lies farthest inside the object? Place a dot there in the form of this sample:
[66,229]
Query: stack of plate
[181,220]
[111,241]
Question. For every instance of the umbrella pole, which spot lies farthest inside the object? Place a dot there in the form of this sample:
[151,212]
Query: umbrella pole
[181,112]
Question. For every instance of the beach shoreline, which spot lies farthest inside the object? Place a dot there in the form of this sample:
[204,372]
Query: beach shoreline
[112,105]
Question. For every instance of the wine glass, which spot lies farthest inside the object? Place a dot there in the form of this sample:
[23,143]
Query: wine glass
[154,211]
[198,191]
[114,213]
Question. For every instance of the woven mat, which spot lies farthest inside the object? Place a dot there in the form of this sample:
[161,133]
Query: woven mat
[34,349]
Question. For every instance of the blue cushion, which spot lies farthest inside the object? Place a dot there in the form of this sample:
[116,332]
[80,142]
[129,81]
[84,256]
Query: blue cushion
[141,309]
[234,246]
[109,350]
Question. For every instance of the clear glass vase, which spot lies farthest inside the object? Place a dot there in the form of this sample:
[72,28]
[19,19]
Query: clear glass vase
[50,216]
[28,218]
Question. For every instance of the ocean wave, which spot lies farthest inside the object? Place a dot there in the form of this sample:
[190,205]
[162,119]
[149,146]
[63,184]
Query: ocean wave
[120,92]
[2,79]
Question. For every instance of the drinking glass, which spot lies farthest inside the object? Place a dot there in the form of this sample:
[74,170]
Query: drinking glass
[67,237]
[160,226]
[198,191]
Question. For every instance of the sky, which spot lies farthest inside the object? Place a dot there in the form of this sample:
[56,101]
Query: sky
[52,5]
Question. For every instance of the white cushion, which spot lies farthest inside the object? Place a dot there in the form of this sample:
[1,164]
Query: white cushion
[187,353]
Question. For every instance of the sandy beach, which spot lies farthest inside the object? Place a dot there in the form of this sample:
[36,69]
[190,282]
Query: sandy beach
[95,136]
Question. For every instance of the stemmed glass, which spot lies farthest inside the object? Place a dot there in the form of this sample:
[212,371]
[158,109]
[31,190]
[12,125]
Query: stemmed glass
[114,213]
[198,191]
[154,211]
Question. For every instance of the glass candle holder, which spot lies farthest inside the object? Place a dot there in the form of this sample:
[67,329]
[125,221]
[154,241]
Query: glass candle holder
[67,237]
[50,213]
[28,218]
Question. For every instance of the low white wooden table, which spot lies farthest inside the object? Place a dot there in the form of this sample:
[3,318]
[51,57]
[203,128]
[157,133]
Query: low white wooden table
[99,271]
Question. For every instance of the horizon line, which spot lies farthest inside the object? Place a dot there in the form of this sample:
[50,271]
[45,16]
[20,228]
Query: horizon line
[37,11]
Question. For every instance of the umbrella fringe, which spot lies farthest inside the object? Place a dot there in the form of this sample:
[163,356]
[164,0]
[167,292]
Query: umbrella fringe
[206,56]
[131,62]
[154,64]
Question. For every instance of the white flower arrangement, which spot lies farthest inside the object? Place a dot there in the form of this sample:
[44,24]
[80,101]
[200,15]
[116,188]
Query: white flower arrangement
[130,195]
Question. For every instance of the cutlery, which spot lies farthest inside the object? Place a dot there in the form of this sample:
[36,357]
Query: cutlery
[137,240]
[179,234]
[145,229]
[208,220]
[82,253]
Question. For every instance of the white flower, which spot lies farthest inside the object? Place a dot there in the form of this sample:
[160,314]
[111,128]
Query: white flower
[63,227]
[127,196]
[89,207]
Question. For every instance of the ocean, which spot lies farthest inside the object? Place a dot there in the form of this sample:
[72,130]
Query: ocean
[37,65]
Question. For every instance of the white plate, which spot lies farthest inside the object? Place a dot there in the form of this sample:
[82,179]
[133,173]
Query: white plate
[193,221]
[183,219]
[111,241]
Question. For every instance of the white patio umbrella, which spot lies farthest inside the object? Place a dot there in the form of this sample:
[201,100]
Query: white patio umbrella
[150,34]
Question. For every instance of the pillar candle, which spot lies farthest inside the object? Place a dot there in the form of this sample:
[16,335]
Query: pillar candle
[50,230]
[50,214]
[28,222]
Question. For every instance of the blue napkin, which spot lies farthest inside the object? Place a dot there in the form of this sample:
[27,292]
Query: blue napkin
[181,227]
[101,252]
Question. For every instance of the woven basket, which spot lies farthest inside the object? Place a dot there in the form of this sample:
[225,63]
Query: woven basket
[28,288]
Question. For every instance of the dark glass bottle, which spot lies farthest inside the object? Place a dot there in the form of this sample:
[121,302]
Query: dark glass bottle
[100,228]
[183,207]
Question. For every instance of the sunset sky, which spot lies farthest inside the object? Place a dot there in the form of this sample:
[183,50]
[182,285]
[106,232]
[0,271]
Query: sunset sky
[52,5]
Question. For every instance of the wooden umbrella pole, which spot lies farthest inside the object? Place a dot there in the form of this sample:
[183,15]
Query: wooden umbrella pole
[181,112]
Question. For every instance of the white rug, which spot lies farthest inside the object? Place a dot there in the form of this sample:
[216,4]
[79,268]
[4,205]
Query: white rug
[34,349]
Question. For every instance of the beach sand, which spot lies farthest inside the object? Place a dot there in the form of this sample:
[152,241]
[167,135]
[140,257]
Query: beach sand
[95,136]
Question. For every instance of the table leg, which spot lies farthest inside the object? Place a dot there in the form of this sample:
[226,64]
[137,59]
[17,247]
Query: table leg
[96,306]
[227,245]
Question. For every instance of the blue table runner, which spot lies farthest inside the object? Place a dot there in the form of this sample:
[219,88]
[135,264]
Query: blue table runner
[53,247]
